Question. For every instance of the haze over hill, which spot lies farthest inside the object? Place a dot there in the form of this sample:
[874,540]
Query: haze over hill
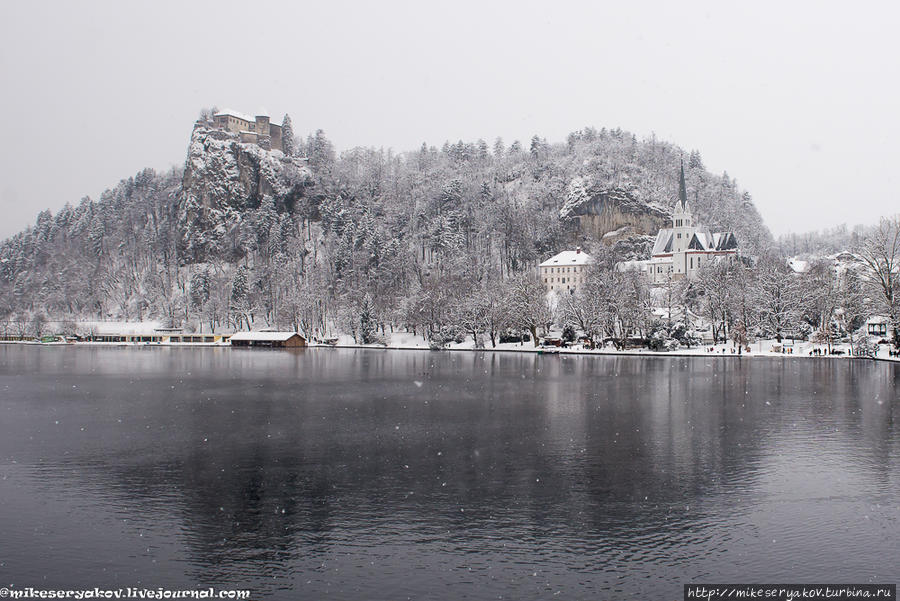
[101,89]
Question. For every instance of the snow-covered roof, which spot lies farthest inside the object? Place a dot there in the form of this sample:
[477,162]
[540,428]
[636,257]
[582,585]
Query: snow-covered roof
[798,266]
[233,113]
[663,243]
[264,336]
[126,328]
[878,319]
[635,265]
[726,241]
[568,257]
[702,240]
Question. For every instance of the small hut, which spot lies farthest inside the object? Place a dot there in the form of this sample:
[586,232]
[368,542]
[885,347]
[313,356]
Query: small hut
[268,339]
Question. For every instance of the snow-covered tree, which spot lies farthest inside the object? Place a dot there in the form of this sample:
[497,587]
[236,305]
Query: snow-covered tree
[288,143]
[778,296]
[880,254]
[526,303]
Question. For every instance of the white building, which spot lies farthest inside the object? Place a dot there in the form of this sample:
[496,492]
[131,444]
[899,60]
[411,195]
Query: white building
[680,251]
[565,271]
[879,326]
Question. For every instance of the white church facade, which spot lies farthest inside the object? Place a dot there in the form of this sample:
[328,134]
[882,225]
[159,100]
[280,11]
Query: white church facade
[682,250]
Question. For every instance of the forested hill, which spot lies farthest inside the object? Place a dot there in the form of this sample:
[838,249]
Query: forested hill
[245,235]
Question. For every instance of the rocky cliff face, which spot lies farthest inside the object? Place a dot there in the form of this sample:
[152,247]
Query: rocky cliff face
[223,178]
[600,211]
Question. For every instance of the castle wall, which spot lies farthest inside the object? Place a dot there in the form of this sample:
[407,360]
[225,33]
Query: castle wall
[232,123]
[262,131]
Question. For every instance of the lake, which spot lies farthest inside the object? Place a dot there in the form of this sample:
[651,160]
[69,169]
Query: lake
[368,475]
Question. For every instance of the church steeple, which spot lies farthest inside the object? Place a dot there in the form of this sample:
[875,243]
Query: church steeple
[682,189]
[681,215]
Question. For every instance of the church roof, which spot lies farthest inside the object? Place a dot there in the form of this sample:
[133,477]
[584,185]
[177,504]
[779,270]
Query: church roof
[701,240]
[663,243]
[726,241]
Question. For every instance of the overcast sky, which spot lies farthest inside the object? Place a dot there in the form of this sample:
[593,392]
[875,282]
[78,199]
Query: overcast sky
[799,102]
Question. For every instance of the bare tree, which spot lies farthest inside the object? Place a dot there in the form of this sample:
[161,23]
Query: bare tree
[526,303]
[880,254]
[777,295]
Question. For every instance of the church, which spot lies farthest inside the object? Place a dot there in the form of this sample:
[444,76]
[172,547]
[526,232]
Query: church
[682,250]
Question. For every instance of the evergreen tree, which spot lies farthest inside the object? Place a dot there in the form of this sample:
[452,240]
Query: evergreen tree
[367,324]
[694,160]
[498,148]
[288,143]
[320,151]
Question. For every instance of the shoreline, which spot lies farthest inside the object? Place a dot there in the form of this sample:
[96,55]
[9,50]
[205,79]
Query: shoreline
[604,353]
[552,351]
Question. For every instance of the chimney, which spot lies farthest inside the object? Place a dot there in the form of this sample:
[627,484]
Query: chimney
[577,249]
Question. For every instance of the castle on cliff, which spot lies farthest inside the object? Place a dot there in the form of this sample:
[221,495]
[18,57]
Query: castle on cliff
[256,130]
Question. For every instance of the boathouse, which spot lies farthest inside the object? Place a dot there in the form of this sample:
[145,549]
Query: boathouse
[268,339]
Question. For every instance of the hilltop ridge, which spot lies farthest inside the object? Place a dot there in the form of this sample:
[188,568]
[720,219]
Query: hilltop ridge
[243,233]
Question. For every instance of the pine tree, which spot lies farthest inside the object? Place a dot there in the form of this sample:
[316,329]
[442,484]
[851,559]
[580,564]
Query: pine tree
[367,325]
[320,151]
[695,161]
[498,148]
[288,143]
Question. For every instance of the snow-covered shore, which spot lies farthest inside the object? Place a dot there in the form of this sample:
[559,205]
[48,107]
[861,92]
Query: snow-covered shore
[411,342]
[764,348]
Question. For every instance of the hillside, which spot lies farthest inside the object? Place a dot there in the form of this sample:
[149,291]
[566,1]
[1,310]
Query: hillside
[245,235]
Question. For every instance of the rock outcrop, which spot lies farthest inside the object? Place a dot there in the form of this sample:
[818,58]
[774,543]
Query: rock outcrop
[599,211]
[224,178]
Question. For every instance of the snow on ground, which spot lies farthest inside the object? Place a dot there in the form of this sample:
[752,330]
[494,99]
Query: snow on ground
[410,341]
[762,348]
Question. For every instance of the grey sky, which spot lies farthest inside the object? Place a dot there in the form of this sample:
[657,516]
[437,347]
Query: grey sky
[797,101]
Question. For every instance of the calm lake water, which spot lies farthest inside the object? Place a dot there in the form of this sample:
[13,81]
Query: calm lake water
[370,475]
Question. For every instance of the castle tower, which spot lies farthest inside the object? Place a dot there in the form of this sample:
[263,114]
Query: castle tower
[262,125]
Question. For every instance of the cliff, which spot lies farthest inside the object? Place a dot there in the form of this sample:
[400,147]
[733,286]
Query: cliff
[600,211]
[223,179]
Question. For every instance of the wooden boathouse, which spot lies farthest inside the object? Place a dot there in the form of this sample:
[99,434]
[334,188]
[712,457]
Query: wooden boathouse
[268,339]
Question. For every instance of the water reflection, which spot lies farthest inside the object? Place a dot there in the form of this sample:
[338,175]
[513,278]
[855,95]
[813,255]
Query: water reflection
[378,474]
